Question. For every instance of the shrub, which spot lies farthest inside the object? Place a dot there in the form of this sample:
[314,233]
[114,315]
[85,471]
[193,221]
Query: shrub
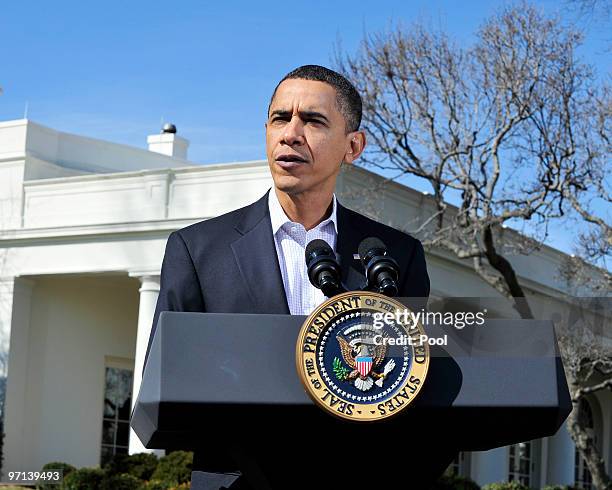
[84,479]
[182,486]
[55,465]
[155,485]
[174,468]
[141,465]
[122,481]
[454,482]
[561,487]
[512,485]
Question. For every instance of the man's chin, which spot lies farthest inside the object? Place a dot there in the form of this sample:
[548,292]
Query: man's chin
[289,184]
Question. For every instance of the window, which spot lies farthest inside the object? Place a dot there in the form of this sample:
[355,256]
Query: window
[582,475]
[117,406]
[520,463]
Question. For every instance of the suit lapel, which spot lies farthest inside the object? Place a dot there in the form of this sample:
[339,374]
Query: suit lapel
[255,255]
[349,237]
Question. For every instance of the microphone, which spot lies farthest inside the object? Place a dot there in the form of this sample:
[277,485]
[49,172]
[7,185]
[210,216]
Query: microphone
[382,271]
[323,268]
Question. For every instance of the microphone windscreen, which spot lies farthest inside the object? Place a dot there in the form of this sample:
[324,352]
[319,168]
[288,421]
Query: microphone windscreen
[368,244]
[320,246]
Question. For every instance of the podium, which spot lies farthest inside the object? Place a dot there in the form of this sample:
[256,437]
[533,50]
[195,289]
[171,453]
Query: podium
[226,387]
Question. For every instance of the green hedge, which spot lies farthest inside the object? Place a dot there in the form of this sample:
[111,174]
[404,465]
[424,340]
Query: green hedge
[122,481]
[154,485]
[454,482]
[128,472]
[55,465]
[505,486]
[174,468]
[145,471]
[561,487]
[140,466]
[84,479]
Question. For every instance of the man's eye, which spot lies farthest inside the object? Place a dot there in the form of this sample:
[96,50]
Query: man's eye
[314,121]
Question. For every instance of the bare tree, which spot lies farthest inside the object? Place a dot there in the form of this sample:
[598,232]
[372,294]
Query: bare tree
[594,244]
[503,128]
[592,8]
[513,129]
[577,270]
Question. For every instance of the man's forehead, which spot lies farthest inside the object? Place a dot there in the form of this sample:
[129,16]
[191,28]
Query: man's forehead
[309,95]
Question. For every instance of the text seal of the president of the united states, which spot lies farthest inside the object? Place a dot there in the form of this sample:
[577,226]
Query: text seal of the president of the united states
[352,364]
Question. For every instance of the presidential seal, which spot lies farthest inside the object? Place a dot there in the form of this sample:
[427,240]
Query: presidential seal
[352,364]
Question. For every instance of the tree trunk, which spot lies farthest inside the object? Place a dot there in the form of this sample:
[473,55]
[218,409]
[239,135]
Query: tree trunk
[504,267]
[586,448]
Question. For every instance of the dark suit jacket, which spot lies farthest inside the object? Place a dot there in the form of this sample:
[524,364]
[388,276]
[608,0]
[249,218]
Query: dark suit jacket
[228,264]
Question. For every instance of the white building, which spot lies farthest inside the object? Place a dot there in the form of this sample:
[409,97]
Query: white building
[83,226]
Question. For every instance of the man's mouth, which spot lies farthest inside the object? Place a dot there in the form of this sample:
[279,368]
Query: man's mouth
[291,158]
[288,161]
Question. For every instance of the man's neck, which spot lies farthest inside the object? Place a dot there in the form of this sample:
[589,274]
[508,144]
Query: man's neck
[308,210]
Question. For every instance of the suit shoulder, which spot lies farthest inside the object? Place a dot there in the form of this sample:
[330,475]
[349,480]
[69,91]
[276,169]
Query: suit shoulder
[217,227]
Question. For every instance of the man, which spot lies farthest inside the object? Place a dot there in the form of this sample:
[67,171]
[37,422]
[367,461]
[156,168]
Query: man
[252,260]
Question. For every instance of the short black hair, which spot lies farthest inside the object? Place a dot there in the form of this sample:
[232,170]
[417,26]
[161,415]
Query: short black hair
[347,97]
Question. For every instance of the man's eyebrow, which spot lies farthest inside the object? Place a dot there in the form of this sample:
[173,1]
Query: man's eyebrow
[280,112]
[303,114]
[311,114]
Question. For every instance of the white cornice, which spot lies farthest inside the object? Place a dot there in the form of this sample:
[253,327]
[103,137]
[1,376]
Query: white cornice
[13,123]
[214,167]
[21,237]
[12,156]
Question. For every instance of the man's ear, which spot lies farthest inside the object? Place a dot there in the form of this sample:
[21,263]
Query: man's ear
[356,145]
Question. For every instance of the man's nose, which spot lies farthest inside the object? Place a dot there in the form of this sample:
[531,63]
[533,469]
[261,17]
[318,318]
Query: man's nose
[294,132]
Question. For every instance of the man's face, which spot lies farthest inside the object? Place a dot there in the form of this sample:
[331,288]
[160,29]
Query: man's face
[306,140]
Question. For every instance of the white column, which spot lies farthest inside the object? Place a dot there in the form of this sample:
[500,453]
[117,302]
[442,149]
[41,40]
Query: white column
[490,466]
[15,306]
[6,309]
[544,462]
[561,458]
[149,290]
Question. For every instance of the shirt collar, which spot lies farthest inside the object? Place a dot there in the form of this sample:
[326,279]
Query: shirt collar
[278,217]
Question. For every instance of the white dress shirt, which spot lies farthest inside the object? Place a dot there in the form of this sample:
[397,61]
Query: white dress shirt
[290,240]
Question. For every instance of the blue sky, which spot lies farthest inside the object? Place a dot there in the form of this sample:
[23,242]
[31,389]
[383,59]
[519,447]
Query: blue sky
[113,70]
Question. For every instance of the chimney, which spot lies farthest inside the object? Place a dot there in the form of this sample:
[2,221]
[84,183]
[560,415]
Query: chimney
[168,143]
